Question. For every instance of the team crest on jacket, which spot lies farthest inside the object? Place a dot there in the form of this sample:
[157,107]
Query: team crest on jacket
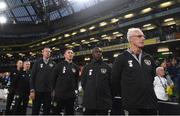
[148,62]
[130,63]
[73,70]
[103,70]
[51,65]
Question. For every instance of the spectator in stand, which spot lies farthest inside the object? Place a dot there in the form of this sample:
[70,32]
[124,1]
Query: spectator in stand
[160,87]
[178,76]
[160,84]
[1,80]
[6,80]
[169,80]
[173,70]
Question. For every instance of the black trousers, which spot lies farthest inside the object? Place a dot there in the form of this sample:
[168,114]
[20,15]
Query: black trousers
[41,98]
[116,107]
[142,111]
[95,112]
[21,103]
[162,107]
[10,98]
[60,104]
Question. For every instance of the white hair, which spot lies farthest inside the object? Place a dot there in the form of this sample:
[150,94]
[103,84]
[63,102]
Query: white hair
[159,68]
[130,31]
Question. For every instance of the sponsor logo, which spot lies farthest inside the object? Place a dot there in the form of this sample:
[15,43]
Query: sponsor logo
[64,70]
[41,65]
[130,63]
[90,72]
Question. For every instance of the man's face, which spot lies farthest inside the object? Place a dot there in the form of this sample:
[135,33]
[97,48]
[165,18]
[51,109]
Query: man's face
[19,64]
[161,72]
[68,55]
[46,52]
[174,61]
[97,53]
[164,65]
[137,39]
[26,65]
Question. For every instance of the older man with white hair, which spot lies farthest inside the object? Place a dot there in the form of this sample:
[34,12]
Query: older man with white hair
[160,84]
[133,74]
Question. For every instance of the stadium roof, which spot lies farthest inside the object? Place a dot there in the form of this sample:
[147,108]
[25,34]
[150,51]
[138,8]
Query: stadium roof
[42,11]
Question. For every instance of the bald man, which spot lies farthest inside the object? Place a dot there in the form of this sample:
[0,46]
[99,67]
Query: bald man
[96,78]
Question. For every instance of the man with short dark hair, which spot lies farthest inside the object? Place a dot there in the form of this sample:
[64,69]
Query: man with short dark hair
[133,73]
[11,89]
[65,83]
[41,82]
[22,90]
[96,78]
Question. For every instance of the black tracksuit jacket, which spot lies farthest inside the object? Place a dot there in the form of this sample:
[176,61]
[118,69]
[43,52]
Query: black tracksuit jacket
[13,77]
[65,80]
[134,82]
[23,83]
[41,76]
[97,85]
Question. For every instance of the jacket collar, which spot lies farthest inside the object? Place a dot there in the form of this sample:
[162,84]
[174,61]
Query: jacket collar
[96,61]
[68,62]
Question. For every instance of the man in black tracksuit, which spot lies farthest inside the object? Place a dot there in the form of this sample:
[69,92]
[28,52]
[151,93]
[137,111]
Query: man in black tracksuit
[11,89]
[132,77]
[65,82]
[22,90]
[96,85]
[41,82]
